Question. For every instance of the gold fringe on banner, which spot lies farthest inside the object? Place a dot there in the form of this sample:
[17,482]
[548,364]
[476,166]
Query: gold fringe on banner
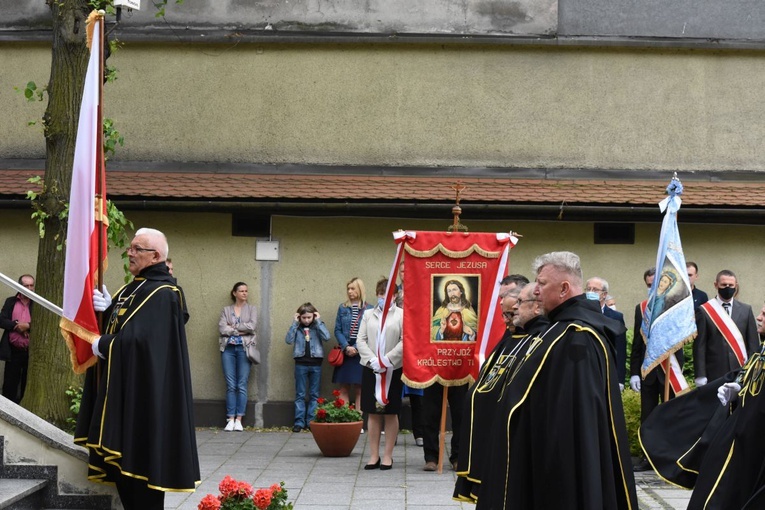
[661,359]
[452,254]
[437,379]
[90,23]
[100,216]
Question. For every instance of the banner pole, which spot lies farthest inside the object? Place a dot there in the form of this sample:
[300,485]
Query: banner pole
[667,375]
[442,435]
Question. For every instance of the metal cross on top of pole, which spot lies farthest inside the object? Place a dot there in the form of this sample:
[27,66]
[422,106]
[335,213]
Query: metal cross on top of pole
[458,188]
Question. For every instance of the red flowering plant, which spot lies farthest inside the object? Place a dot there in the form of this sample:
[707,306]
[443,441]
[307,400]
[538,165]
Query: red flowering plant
[336,411]
[236,495]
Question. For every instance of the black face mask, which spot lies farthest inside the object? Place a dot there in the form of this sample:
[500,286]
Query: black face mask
[726,293]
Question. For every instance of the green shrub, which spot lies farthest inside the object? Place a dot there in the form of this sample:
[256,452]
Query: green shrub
[631,403]
[75,397]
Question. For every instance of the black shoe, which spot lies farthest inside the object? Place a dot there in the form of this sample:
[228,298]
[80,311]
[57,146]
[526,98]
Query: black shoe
[385,467]
[297,428]
[376,465]
[641,466]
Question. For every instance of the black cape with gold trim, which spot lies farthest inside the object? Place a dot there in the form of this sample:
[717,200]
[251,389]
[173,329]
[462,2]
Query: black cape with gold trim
[139,421]
[727,448]
[676,436]
[480,405]
[562,440]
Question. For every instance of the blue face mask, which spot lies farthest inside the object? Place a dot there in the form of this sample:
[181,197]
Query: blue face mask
[380,302]
[594,296]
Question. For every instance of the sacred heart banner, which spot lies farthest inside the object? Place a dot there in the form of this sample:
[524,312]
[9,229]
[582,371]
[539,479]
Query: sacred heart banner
[452,317]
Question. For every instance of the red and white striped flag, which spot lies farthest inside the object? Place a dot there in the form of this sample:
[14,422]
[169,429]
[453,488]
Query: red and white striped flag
[87,213]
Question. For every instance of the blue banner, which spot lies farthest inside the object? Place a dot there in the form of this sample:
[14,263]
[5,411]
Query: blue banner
[669,319]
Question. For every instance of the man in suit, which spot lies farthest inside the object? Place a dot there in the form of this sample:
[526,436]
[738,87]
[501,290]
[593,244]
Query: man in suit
[727,332]
[597,290]
[16,320]
[699,296]
[651,388]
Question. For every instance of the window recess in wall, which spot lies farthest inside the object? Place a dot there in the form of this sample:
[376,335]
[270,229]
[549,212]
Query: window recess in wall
[614,233]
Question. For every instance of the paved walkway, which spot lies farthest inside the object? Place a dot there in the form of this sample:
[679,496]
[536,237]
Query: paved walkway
[314,482]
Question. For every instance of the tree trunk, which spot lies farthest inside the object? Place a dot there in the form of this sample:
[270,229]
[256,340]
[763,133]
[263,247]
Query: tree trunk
[50,369]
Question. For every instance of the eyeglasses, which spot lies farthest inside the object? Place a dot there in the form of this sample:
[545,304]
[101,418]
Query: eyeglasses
[136,249]
[521,301]
[593,289]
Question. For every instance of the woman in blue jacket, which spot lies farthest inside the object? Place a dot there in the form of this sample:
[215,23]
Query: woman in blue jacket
[306,335]
[348,375]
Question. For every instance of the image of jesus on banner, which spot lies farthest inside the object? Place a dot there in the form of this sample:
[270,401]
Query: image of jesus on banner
[454,319]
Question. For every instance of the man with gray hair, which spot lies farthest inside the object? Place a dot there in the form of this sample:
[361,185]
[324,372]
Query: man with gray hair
[560,416]
[137,420]
[597,290]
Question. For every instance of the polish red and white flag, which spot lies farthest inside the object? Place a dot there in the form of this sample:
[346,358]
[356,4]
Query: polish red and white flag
[87,213]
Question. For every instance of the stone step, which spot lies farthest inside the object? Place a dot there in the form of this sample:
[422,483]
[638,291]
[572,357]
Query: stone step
[19,494]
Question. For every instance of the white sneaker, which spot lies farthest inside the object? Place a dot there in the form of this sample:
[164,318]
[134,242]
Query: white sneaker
[229,426]
[238,425]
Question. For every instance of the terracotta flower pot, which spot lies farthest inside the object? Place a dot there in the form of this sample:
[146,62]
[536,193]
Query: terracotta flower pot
[336,439]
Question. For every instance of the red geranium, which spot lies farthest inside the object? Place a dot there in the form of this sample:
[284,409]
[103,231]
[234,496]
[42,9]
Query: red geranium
[209,502]
[336,411]
[228,486]
[262,498]
[237,495]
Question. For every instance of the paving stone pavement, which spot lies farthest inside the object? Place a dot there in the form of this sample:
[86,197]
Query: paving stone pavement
[314,482]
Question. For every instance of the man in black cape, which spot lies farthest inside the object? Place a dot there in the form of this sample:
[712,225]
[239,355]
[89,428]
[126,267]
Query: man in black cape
[559,439]
[482,397]
[137,420]
[718,451]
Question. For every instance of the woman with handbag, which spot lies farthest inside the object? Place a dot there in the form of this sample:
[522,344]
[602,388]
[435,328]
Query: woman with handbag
[237,331]
[348,374]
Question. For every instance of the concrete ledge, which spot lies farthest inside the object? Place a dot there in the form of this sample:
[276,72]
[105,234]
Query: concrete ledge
[30,440]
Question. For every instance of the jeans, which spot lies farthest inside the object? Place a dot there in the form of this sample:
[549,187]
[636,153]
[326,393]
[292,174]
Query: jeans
[310,374]
[236,369]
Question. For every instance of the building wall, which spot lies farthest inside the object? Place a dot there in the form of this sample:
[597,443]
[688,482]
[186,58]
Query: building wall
[319,255]
[429,105]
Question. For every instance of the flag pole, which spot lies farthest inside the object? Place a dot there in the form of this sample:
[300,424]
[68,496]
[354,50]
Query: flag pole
[100,177]
[667,375]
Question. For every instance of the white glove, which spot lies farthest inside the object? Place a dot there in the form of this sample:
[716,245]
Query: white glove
[94,347]
[635,383]
[701,381]
[621,387]
[728,392]
[374,364]
[101,301]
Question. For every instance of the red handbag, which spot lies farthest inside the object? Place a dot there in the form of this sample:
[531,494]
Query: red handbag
[335,356]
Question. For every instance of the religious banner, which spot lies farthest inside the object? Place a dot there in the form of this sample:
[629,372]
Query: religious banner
[452,317]
[668,315]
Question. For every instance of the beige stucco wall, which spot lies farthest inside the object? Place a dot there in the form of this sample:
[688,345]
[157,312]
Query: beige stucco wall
[318,256]
[417,105]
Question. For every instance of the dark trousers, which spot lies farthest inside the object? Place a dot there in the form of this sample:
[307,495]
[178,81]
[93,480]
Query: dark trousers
[650,395]
[431,419]
[136,495]
[415,403]
[15,377]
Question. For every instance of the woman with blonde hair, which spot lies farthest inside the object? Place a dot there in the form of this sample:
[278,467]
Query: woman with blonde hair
[348,375]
